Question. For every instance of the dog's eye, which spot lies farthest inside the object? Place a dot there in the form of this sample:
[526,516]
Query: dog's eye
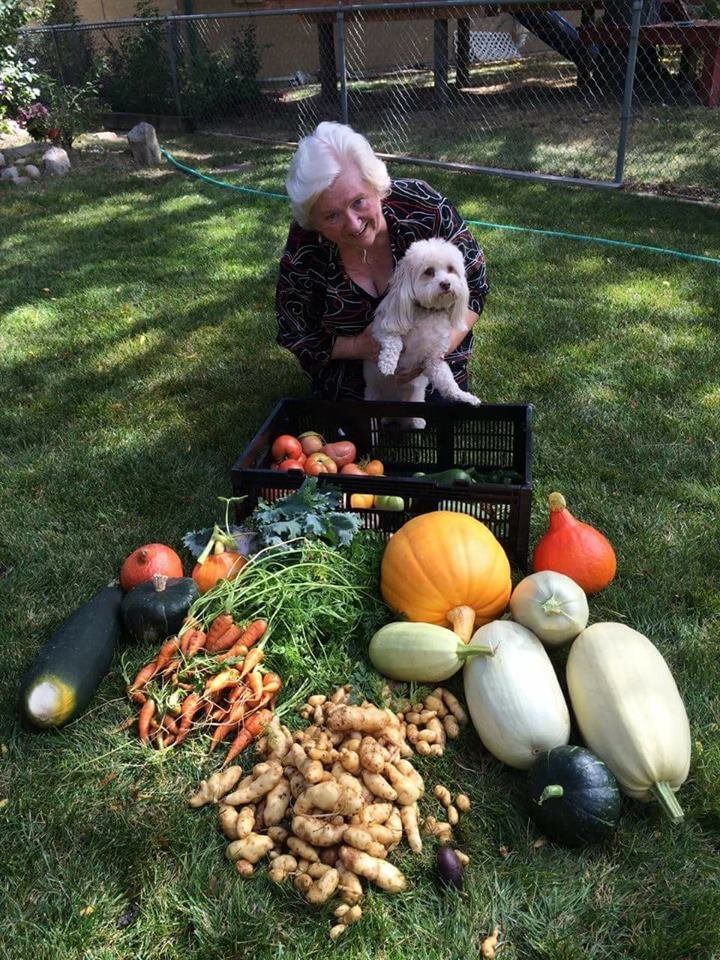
[451,268]
[430,272]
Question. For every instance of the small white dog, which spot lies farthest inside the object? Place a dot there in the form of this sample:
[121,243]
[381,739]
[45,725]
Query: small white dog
[427,300]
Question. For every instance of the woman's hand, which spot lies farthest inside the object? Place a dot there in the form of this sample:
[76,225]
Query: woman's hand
[363,346]
[405,371]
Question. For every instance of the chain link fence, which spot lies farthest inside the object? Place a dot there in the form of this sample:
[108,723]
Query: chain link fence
[605,93]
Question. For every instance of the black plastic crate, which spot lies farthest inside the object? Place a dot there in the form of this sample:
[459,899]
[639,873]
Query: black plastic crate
[490,438]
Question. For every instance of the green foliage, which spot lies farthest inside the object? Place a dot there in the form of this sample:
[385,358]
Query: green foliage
[308,512]
[138,76]
[17,73]
[73,109]
[215,82]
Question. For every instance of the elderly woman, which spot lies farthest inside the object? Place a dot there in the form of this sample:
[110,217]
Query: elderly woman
[352,224]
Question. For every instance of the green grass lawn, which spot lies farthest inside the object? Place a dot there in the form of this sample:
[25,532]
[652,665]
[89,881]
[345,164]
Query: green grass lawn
[137,358]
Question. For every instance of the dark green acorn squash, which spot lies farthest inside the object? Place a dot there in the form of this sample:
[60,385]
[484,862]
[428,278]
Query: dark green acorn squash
[68,669]
[573,797]
[154,610]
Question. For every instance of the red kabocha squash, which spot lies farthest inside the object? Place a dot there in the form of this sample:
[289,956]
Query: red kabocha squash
[146,561]
[219,564]
[575,548]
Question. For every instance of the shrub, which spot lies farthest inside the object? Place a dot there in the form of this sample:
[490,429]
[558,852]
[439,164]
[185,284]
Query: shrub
[138,77]
[215,83]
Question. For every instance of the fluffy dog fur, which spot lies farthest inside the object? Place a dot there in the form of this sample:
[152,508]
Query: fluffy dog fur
[427,300]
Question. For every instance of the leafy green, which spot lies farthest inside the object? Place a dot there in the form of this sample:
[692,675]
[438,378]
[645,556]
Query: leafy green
[308,512]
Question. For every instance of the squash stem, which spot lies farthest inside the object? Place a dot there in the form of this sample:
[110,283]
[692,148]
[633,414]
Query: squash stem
[465,651]
[551,790]
[665,796]
[462,620]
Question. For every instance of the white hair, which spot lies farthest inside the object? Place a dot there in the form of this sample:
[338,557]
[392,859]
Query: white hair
[321,157]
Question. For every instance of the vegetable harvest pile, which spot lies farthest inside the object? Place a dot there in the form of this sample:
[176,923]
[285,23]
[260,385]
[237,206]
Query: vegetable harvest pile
[325,784]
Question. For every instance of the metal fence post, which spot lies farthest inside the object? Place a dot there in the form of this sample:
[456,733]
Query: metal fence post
[440,58]
[172,51]
[59,58]
[626,116]
[342,64]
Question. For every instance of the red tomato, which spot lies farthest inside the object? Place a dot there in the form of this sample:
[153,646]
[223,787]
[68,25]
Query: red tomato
[342,452]
[353,468]
[319,463]
[286,446]
[290,464]
[375,468]
[311,442]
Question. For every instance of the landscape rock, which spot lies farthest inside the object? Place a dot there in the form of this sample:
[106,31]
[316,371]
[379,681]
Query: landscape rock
[56,162]
[21,181]
[9,173]
[144,145]
[32,171]
[2,160]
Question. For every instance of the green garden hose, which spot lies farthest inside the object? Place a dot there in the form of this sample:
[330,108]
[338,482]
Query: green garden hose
[560,234]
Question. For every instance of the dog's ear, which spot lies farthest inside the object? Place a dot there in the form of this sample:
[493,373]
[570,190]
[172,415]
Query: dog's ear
[458,311]
[396,312]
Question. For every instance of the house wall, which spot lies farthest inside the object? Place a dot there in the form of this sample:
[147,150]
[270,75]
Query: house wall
[289,44]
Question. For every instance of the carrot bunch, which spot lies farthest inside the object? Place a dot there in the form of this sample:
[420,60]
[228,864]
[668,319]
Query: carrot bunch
[211,681]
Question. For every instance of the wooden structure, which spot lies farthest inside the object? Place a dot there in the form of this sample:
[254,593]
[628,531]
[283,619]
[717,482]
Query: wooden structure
[700,36]
[326,22]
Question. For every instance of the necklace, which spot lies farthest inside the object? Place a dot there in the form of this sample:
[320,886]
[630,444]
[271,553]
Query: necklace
[364,256]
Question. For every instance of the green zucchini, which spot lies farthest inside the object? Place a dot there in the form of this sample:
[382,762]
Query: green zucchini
[68,669]
[447,477]
[420,652]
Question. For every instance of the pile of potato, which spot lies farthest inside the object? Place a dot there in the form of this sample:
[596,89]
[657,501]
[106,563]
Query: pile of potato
[329,802]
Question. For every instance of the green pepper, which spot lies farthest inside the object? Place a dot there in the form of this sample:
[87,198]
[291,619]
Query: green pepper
[445,477]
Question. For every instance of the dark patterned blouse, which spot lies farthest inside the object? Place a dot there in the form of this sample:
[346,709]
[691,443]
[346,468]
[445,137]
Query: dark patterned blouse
[316,301]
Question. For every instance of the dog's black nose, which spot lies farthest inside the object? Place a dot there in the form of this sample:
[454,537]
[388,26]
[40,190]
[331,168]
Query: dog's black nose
[445,285]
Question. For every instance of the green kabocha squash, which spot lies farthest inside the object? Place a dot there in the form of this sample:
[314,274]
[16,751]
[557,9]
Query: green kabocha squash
[155,610]
[68,669]
[573,797]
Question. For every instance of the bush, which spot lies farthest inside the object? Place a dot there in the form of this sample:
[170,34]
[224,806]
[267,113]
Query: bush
[73,109]
[215,83]
[138,77]
[17,73]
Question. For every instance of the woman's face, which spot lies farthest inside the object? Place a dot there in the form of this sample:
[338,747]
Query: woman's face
[348,212]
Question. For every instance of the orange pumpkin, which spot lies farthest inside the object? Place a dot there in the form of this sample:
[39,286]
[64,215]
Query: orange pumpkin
[221,564]
[448,569]
[575,548]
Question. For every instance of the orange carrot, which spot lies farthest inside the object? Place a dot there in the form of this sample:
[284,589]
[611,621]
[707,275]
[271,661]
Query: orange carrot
[168,721]
[147,712]
[167,652]
[195,643]
[143,677]
[220,681]
[234,717]
[253,727]
[171,667]
[249,636]
[272,683]
[190,706]
[218,627]
[253,658]
[254,683]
